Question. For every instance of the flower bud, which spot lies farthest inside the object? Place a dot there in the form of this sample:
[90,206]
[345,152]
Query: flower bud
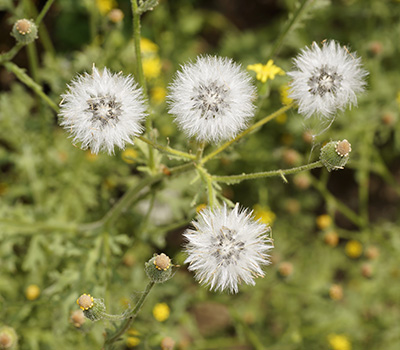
[158,268]
[336,292]
[93,309]
[285,269]
[77,318]
[8,338]
[24,31]
[167,343]
[335,154]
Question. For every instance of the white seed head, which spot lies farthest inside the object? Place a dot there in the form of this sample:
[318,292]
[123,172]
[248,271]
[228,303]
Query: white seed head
[103,110]
[326,79]
[227,247]
[211,99]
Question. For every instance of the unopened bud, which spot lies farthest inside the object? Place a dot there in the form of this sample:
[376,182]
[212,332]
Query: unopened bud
[159,268]
[8,338]
[116,15]
[77,318]
[167,343]
[285,269]
[335,154]
[93,309]
[24,31]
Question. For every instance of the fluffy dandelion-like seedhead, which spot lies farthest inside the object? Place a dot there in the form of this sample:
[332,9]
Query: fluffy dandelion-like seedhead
[102,110]
[227,247]
[326,79]
[212,99]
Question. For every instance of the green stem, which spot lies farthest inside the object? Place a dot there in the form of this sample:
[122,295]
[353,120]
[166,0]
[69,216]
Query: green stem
[208,179]
[247,131]
[200,150]
[42,13]
[136,39]
[8,56]
[290,24]
[23,77]
[132,315]
[167,149]
[33,61]
[344,209]
[280,172]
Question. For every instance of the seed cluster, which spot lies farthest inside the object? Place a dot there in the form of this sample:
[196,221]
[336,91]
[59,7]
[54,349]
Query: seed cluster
[227,248]
[210,98]
[104,109]
[324,79]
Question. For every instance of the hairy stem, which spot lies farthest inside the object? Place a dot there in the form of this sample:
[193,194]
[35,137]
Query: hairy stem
[280,172]
[247,131]
[42,13]
[208,180]
[131,317]
[167,149]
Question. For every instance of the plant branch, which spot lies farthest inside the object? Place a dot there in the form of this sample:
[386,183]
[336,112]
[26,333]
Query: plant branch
[280,172]
[247,131]
[167,149]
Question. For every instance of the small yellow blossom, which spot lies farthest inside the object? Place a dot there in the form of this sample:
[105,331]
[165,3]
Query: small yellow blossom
[151,67]
[200,207]
[161,312]
[281,119]
[32,292]
[336,292]
[131,342]
[266,71]
[353,249]
[147,46]
[263,214]
[129,155]
[398,98]
[284,94]
[158,94]
[339,342]
[324,221]
[105,6]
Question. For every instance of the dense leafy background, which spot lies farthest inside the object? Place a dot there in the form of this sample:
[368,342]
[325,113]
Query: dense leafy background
[49,188]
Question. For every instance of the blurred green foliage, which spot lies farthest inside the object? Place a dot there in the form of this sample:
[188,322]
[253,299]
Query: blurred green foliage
[49,189]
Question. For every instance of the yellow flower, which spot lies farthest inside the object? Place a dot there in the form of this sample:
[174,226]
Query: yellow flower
[353,249]
[32,292]
[263,214]
[398,98]
[336,292]
[339,342]
[324,221]
[284,94]
[131,342]
[105,6]
[161,312]
[200,207]
[266,71]
[129,155]
[147,46]
[158,94]
[151,67]
[281,119]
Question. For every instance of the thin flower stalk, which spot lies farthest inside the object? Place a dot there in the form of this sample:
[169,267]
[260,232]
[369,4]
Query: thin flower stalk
[280,172]
[247,131]
[167,149]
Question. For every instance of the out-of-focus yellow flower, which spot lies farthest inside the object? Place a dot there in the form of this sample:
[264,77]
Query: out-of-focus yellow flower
[398,96]
[132,339]
[263,214]
[91,157]
[151,67]
[147,46]
[284,94]
[353,249]
[161,312]
[324,221]
[266,71]
[158,94]
[105,6]
[339,342]
[116,15]
[129,155]
[331,238]
[200,207]
[32,292]
[281,119]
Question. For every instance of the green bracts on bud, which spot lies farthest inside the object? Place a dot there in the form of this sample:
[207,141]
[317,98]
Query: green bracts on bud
[8,338]
[335,154]
[24,31]
[159,268]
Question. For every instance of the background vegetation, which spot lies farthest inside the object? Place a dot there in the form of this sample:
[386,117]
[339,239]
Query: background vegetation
[334,282]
